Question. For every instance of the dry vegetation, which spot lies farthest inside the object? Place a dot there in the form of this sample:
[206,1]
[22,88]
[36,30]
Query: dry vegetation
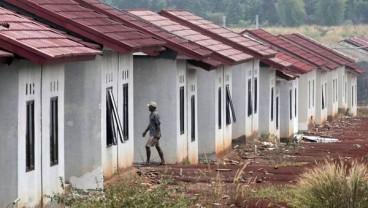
[326,35]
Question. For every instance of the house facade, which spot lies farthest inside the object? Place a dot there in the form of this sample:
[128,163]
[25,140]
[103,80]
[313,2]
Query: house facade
[36,102]
[100,119]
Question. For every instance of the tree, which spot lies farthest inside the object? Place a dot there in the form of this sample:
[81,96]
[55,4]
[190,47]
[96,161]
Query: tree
[329,12]
[291,12]
[357,11]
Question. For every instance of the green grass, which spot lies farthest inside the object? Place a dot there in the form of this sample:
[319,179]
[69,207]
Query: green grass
[328,184]
[132,193]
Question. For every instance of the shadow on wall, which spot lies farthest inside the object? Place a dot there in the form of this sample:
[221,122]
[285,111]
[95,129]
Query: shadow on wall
[362,85]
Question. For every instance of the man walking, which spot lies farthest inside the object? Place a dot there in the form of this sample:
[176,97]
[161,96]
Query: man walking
[155,133]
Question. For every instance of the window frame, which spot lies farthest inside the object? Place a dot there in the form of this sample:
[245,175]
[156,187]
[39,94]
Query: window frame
[54,131]
[30,136]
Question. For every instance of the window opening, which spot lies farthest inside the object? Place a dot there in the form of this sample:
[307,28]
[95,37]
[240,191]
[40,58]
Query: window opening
[192,117]
[30,136]
[54,129]
[181,92]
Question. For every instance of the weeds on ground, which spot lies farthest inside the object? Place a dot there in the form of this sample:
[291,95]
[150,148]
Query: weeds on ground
[333,185]
[133,192]
[329,184]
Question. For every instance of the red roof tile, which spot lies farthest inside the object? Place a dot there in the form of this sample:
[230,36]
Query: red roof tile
[221,51]
[90,24]
[361,42]
[302,61]
[31,40]
[174,42]
[219,33]
[318,48]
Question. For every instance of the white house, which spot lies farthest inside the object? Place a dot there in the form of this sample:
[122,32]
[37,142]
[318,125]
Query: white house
[335,78]
[354,47]
[173,74]
[246,77]
[213,89]
[32,104]
[99,95]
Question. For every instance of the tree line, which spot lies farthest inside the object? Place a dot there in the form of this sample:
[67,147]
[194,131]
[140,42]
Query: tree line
[242,13]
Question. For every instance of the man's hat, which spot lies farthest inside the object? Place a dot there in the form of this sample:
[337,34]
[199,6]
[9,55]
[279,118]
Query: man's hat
[153,104]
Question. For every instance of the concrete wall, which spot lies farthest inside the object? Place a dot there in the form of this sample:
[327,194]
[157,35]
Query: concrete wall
[239,74]
[156,80]
[125,76]
[29,183]
[267,80]
[296,105]
[213,139]
[207,115]
[9,85]
[52,86]
[332,87]
[88,158]
[362,84]
[306,109]
[322,85]
[83,161]
[287,108]
[352,93]
[252,120]
[192,92]
[342,105]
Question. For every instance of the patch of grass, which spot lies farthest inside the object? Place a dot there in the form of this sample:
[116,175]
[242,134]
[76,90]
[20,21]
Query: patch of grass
[133,192]
[333,185]
[274,194]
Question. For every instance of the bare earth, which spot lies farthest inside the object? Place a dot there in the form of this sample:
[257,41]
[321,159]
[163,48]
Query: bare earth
[218,182]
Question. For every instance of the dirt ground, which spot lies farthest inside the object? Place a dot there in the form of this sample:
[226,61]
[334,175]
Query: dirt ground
[278,164]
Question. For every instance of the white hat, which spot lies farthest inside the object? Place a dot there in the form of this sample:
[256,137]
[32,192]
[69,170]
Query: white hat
[153,104]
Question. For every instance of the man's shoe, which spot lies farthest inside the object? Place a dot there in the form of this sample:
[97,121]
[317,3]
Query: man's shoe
[162,163]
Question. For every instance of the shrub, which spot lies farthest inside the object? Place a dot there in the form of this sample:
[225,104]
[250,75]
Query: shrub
[333,185]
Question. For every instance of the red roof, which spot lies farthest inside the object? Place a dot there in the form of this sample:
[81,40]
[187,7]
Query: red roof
[302,61]
[40,44]
[90,24]
[180,45]
[318,48]
[5,57]
[356,68]
[361,42]
[219,33]
[221,51]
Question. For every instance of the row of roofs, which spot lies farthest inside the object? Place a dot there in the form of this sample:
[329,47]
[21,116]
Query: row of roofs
[82,27]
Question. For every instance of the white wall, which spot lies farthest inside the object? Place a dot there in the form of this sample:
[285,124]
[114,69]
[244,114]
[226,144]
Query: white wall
[322,85]
[267,82]
[192,91]
[332,87]
[207,111]
[252,120]
[352,93]
[306,109]
[156,79]
[88,159]
[52,86]
[239,74]
[214,139]
[29,183]
[342,74]
[287,108]
[83,160]
[9,95]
